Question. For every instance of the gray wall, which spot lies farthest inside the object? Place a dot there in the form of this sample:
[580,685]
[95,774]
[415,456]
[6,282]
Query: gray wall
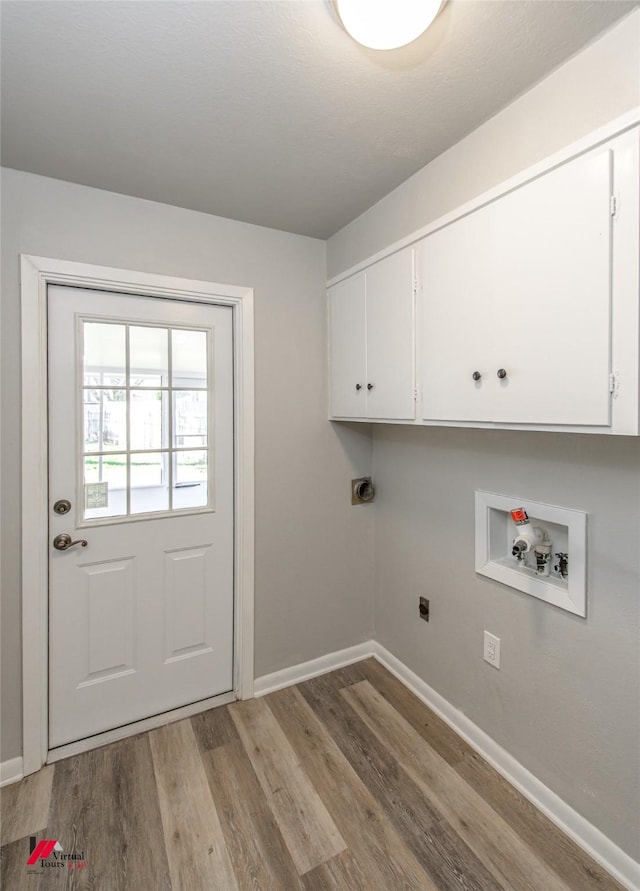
[313,550]
[566,700]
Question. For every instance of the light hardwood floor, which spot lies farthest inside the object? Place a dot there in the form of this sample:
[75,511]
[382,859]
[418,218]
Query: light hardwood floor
[344,782]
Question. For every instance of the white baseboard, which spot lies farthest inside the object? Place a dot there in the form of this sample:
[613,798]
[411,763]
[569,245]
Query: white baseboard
[11,771]
[619,864]
[287,677]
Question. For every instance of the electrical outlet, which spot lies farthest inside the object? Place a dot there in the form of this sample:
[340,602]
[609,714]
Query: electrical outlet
[492,649]
[423,608]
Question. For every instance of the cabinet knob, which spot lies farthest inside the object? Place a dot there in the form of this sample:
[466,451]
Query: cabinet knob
[369,386]
[476,375]
[358,386]
[502,373]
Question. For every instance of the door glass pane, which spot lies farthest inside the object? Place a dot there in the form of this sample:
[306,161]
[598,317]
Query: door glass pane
[190,479]
[149,482]
[190,495]
[189,418]
[148,418]
[145,416]
[191,467]
[149,356]
[104,354]
[189,358]
[105,486]
[105,420]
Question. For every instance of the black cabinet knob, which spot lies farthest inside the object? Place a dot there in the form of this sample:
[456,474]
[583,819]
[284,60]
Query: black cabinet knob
[502,373]
[358,386]
[369,386]
[476,375]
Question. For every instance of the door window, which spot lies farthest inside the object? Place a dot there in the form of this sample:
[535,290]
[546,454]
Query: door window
[146,419]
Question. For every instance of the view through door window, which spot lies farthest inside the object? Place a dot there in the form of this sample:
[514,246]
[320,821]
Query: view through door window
[146,419]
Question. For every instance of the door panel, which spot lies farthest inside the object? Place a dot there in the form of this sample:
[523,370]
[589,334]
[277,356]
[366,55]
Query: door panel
[390,365]
[109,619]
[459,325]
[523,284]
[348,362]
[141,443]
[187,620]
[553,297]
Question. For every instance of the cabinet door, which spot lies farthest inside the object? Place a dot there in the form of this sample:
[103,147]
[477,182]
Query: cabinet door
[553,296]
[458,320]
[390,338]
[347,361]
[523,284]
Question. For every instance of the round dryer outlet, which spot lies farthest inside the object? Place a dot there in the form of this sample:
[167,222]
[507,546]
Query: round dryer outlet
[362,491]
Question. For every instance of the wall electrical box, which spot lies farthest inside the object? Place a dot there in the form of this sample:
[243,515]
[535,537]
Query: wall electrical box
[534,547]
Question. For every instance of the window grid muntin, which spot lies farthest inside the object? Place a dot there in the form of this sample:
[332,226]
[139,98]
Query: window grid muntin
[170,451]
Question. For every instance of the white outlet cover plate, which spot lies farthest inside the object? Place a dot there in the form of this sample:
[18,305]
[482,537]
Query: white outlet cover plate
[493,512]
[492,649]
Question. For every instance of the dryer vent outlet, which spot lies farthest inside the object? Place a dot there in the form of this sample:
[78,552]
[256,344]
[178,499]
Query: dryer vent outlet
[362,491]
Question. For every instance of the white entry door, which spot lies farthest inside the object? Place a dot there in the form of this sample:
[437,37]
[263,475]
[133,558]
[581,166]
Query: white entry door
[141,448]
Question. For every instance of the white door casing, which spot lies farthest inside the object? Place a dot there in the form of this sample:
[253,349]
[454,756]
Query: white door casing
[141,444]
[37,274]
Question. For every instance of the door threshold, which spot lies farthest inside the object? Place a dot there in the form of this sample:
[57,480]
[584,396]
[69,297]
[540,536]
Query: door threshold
[127,730]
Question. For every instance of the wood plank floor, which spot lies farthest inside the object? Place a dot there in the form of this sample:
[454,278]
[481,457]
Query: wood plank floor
[345,782]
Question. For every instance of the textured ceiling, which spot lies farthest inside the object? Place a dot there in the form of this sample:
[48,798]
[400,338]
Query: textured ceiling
[263,111]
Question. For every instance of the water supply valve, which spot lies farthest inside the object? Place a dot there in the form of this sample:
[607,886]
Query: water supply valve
[531,540]
[528,536]
[542,552]
[562,566]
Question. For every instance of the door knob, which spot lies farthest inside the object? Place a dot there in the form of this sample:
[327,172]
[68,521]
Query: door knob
[501,373]
[358,386]
[369,386]
[476,375]
[63,542]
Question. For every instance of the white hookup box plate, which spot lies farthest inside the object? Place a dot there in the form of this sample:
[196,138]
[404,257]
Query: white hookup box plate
[567,530]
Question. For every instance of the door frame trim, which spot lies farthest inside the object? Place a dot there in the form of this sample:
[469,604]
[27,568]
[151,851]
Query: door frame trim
[37,273]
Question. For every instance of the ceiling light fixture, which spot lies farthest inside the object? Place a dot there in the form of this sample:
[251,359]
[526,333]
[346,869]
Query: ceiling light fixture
[386,24]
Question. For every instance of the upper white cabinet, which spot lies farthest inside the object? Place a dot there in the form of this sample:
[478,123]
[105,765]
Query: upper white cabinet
[516,304]
[527,306]
[371,342]
[347,348]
